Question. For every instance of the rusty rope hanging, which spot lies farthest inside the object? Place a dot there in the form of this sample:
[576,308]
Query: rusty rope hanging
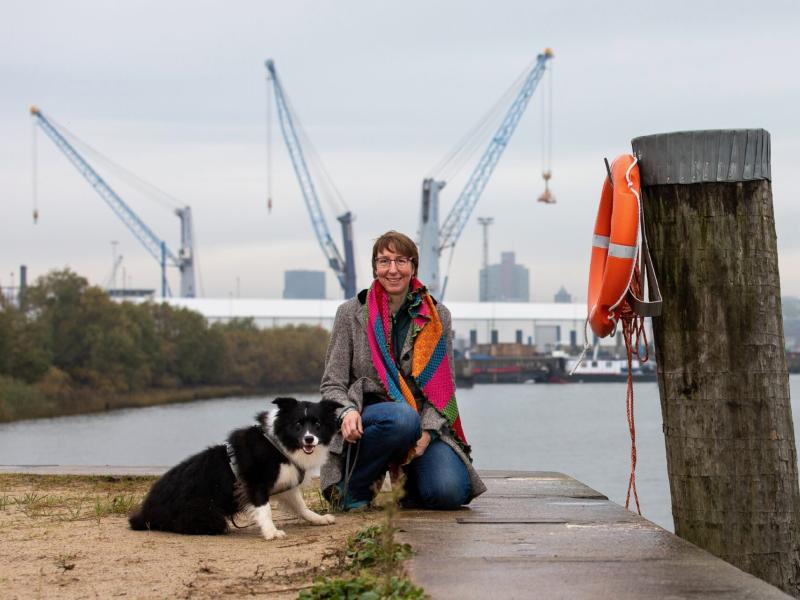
[635,336]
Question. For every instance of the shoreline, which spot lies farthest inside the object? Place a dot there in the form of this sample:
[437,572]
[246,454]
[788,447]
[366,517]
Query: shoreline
[83,401]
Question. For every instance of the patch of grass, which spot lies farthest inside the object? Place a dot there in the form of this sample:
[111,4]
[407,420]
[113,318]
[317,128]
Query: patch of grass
[363,587]
[33,504]
[118,505]
[99,483]
[315,500]
[375,546]
[67,507]
[5,500]
[375,560]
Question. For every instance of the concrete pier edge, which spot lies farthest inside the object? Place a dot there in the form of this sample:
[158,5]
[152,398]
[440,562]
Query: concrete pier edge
[537,534]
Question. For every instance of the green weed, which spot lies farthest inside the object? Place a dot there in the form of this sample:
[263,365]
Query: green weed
[117,505]
[363,587]
[69,508]
[375,560]
[34,505]
[375,547]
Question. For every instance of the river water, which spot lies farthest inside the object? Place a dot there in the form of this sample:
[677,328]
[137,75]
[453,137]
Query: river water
[577,429]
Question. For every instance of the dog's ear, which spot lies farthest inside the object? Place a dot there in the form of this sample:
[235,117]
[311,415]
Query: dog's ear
[285,403]
[329,405]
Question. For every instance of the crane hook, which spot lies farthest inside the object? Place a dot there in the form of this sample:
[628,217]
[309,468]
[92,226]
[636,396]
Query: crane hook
[547,196]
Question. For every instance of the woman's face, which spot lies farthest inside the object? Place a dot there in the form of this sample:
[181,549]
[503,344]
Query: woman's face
[393,278]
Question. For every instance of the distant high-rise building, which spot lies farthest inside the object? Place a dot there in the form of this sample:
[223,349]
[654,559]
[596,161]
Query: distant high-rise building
[505,282]
[306,285]
[563,296]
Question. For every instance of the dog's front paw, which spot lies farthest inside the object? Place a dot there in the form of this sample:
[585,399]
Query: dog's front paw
[275,534]
[323,519]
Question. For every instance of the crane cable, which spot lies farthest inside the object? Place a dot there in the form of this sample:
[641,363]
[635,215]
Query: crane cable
[328,190]
[269,144]
[471,143]
[466,148]
[149,190]
[35,170]
[547,139]
[547,123]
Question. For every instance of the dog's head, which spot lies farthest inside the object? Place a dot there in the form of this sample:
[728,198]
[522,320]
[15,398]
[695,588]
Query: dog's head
[301,425]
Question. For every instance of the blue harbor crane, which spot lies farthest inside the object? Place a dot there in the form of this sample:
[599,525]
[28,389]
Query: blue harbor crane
[157,248]
[343,267]
[433,240]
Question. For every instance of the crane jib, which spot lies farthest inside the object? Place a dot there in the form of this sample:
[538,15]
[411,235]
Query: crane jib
[460,213]
[433,240]
[343,266]
[154,245]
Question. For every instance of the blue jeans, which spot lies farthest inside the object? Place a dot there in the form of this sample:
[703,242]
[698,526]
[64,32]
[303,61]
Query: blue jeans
[438,479]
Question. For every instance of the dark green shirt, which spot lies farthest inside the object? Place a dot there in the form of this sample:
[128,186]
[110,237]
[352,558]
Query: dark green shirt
[401,321]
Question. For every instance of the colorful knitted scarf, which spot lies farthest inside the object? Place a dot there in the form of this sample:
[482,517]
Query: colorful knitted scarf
[430,364]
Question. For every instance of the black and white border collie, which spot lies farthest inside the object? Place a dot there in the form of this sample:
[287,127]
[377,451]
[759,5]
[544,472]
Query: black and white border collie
[268,460]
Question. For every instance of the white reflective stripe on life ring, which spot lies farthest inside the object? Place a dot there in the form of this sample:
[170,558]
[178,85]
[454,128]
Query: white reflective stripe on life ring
[621,251]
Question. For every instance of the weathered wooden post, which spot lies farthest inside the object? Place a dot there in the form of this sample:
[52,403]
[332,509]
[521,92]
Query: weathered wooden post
[722,372]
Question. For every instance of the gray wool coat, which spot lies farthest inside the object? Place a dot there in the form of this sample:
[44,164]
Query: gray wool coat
[349,374]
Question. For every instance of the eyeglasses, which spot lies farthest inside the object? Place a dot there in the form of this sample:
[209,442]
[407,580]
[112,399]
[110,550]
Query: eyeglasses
[401,262]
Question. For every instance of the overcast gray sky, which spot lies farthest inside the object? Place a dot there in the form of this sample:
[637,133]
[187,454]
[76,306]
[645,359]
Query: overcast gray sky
[175,92]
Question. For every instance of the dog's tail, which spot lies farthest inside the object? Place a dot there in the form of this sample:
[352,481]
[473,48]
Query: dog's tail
[137,521]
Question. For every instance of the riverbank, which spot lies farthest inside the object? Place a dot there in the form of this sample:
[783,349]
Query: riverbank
[20,401]
[68,537]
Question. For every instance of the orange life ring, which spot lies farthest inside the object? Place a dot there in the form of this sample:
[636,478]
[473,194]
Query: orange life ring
[615,244]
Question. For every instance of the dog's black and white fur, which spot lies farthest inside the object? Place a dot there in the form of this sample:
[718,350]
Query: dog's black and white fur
[199,495]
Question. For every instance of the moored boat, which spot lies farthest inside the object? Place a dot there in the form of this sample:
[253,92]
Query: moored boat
[608,370]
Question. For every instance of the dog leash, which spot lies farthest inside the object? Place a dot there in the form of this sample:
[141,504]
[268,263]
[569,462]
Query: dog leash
[349,468]
[278,446]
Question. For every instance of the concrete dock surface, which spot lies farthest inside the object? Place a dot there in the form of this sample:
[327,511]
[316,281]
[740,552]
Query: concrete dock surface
[546,535]
[538,535]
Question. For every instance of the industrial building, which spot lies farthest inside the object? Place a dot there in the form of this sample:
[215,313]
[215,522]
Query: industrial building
[562,296]
[505,282]
[302,284]
[546,325]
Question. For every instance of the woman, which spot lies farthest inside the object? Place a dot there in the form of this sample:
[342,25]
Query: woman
[390,365]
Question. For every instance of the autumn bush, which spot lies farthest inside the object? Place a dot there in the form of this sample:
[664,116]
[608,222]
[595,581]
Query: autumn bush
[67,337]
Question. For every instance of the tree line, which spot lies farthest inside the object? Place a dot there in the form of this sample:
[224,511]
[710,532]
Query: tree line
[64,335]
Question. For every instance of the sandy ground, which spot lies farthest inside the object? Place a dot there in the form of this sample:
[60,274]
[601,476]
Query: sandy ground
[68,537]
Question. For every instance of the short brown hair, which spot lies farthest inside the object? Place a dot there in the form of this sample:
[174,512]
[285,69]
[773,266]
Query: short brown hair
[394,241]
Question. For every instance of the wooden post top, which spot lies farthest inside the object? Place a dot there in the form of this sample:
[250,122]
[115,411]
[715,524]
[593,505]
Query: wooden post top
[711,155]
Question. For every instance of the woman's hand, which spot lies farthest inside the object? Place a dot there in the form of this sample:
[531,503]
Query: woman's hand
[352,429]
[422,444]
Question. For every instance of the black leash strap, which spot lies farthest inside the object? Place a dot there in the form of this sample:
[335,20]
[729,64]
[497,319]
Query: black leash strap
[349,468]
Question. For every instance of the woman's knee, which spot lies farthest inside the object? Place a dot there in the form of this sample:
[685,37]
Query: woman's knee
[445,493]
[442,481]
[395,420]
